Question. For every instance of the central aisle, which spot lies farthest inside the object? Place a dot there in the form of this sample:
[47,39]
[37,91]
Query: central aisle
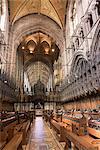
[42,137]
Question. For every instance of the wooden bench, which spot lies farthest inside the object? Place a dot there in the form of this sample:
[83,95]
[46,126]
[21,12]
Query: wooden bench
[94,132]
[3,139]
[25,129]
[17,128]
[17,134]
[78,141]
[92,140]
[14,143]
[12,129]
[2,144]
[97,141]
[56,126]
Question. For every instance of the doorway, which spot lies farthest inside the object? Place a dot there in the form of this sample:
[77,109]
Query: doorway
[39,107]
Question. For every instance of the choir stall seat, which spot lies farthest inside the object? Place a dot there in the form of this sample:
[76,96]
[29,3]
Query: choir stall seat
[15,142]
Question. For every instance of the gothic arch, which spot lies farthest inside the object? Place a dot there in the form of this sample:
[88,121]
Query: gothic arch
[31,24]
[95,47]
[76,59]
[36,23]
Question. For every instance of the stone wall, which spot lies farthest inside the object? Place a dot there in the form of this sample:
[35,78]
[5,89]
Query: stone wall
[82,52]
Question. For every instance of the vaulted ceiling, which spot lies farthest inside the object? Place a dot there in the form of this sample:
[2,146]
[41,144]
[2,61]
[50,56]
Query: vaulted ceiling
[37,27]
[54,9]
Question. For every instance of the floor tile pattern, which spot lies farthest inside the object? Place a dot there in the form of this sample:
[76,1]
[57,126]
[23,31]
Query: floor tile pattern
[42,137]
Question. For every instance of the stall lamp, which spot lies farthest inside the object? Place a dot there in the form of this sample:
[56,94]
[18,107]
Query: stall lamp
[53,49]
[5,81]
[23,47]
[76,76]
[69,82]
[31,51]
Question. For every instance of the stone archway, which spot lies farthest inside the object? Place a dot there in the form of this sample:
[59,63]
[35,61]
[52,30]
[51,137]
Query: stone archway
[35,23]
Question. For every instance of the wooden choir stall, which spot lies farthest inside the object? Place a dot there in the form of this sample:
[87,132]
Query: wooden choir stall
[76,130]
[14,129]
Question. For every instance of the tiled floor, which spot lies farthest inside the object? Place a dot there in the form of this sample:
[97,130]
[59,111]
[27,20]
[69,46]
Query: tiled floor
[42,137]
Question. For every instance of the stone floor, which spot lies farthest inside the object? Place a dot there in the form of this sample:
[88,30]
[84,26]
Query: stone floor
[42,137]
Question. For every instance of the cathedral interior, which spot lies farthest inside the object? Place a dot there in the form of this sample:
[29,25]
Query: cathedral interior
[49,74]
